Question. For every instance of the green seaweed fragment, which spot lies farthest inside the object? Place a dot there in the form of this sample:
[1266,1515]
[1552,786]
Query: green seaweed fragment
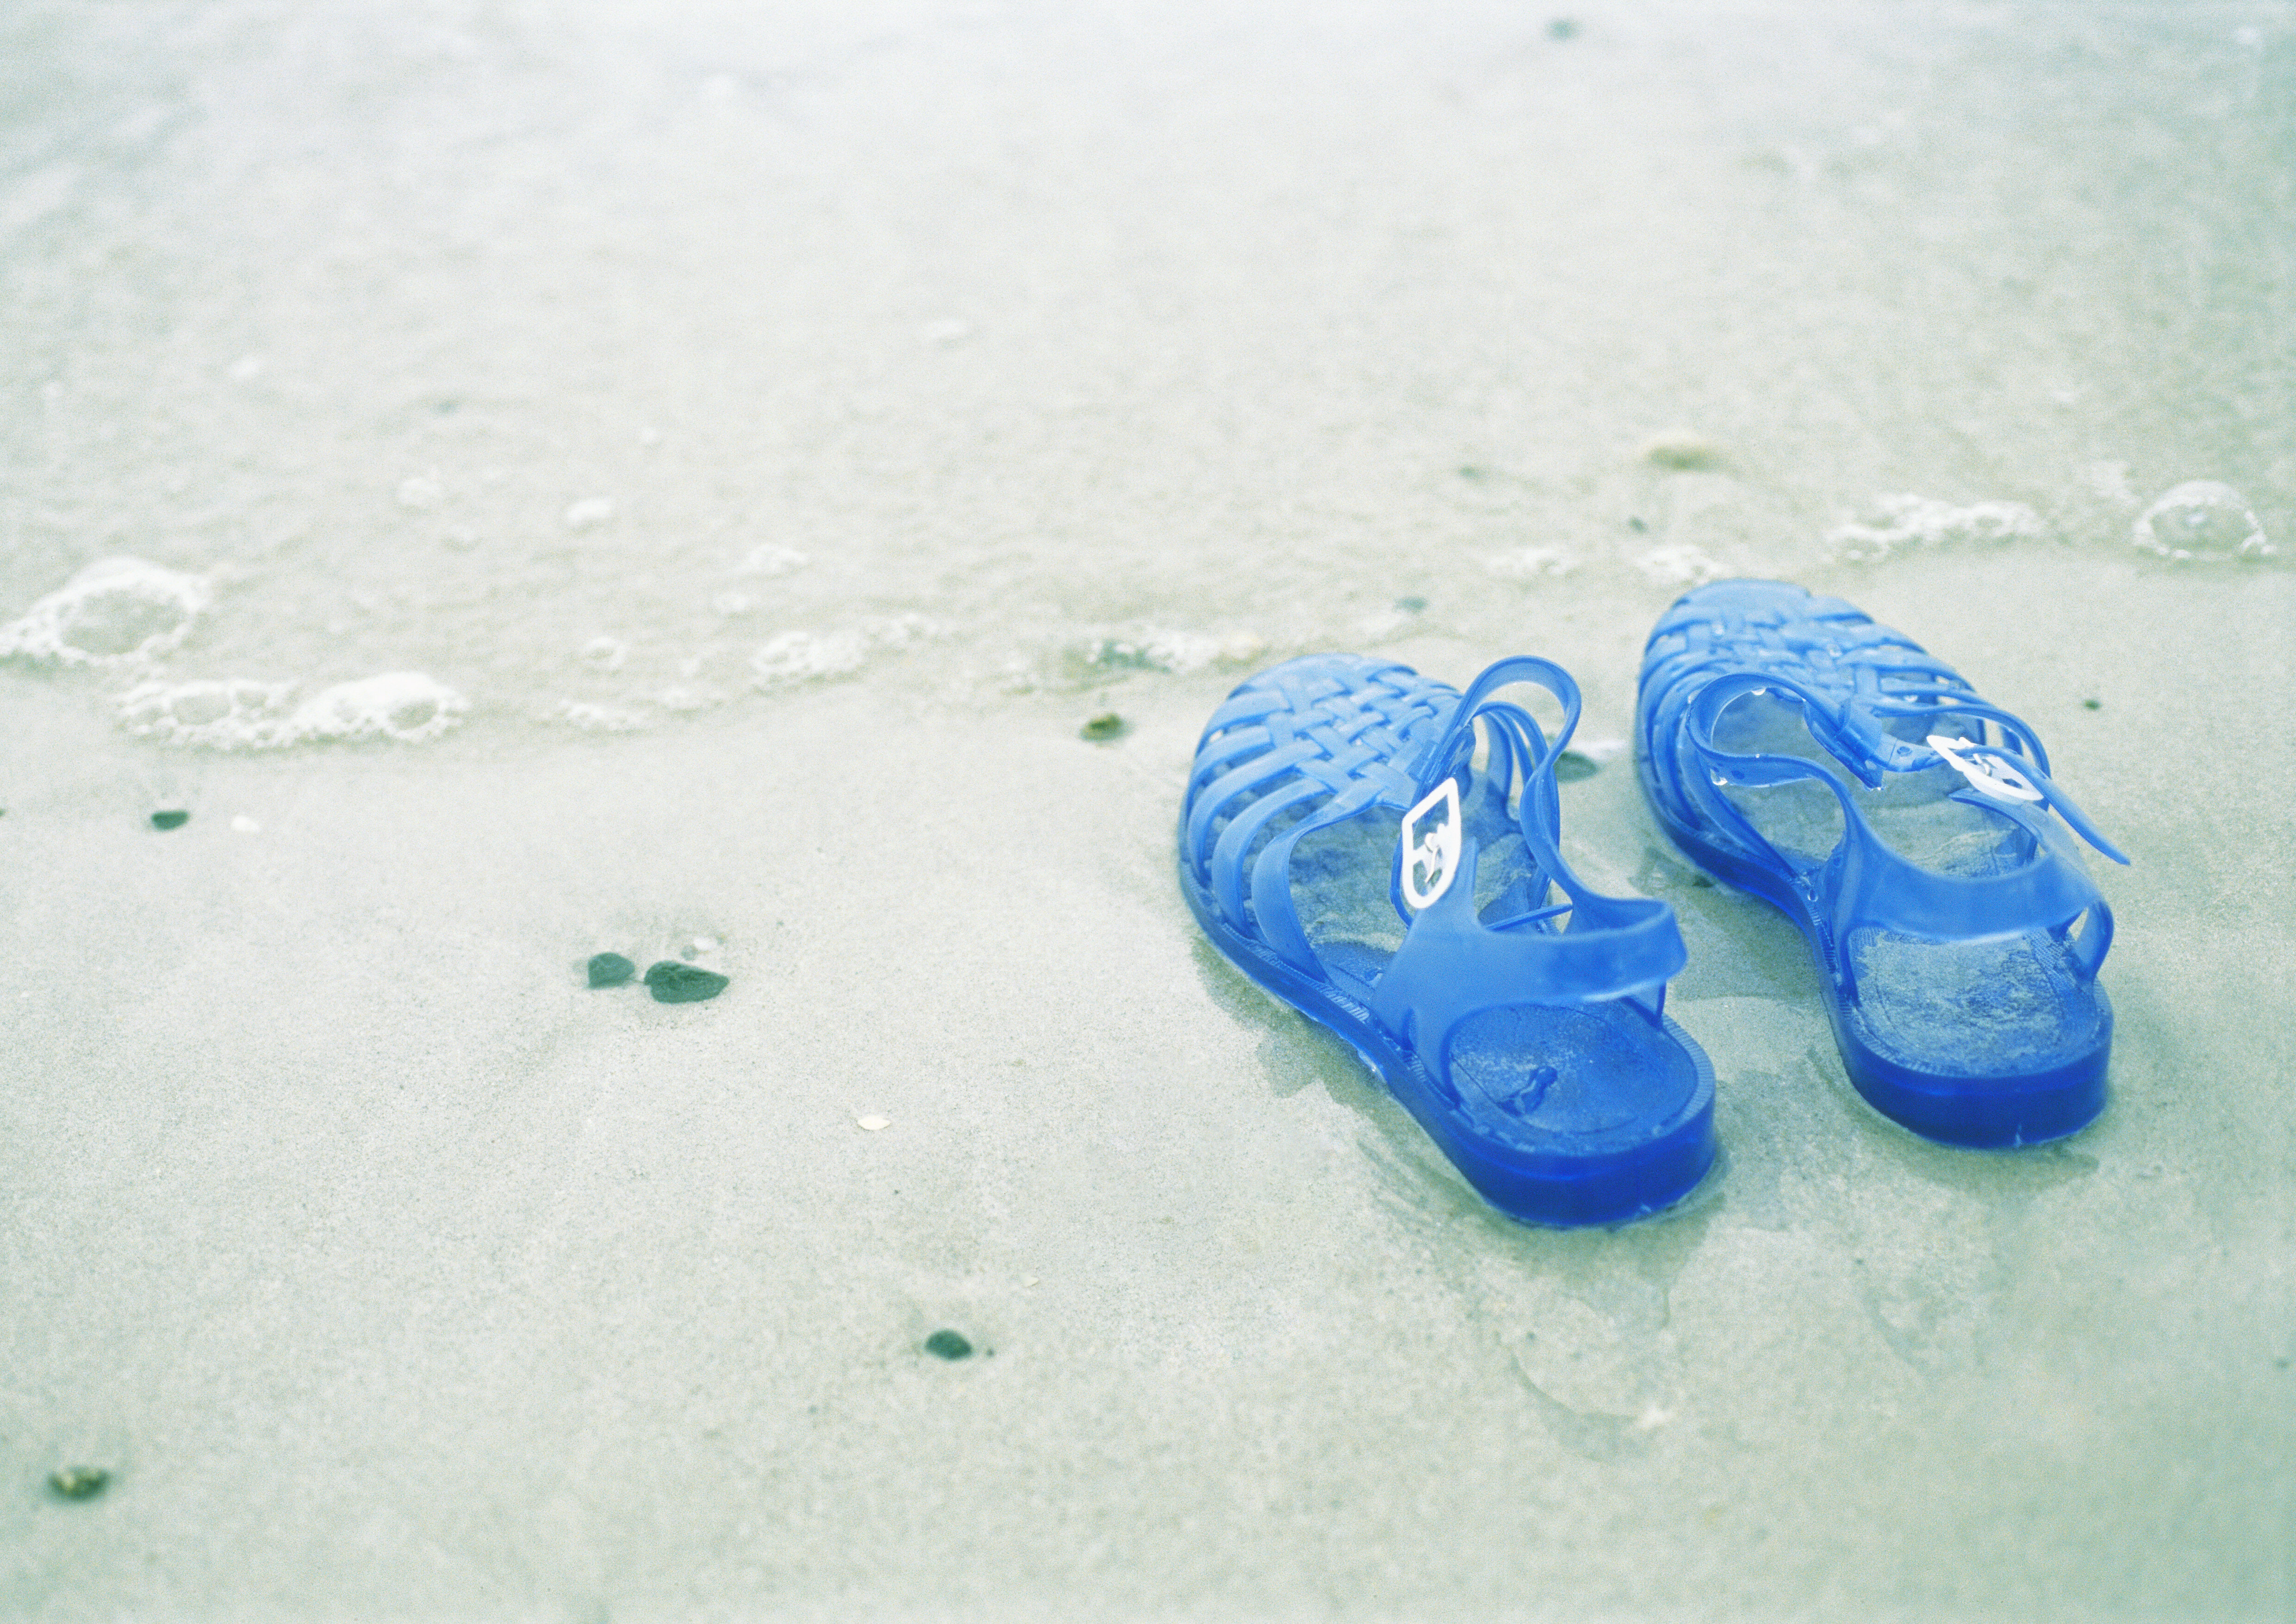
[610,969]
[78,1482]
[676,983]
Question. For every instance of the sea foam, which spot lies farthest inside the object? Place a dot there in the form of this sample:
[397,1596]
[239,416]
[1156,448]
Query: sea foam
[1678,563]
[1181,652]
[1909,520]
[800,656]
[240,713]
[115,612]
[1531,563]
[2203,519]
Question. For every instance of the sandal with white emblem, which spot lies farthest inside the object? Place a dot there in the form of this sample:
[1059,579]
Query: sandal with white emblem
[1341,844]
[1912,831]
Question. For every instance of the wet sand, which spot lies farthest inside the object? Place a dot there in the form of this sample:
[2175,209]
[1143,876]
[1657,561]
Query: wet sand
[393,1271]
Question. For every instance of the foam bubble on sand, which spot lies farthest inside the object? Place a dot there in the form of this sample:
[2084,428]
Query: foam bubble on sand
[1909,521]
[899,631]
[682,698]
[404,705]
[800,656]
[599,718]
[1679,564]
[2202,519]
[240,713]
[605,654]
[1531,563]
[1177,652]
[115,612]
[796,656]
[771,558]
[227,714]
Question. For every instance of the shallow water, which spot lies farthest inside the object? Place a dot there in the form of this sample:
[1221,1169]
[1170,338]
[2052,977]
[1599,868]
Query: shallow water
[677,482]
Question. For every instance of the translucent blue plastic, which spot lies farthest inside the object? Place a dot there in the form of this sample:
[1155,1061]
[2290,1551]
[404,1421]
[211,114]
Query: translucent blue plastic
[1828,765]
[1525,1031]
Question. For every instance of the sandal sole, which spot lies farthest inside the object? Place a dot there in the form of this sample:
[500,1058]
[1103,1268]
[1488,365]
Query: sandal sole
[1558,1189]
[2001,1112]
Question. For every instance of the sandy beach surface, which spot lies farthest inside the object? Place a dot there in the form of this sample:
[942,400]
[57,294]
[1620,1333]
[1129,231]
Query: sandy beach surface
[679,480]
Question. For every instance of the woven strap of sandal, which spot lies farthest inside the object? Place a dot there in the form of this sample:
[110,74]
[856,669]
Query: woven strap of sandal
[1346,740]
[1327,745]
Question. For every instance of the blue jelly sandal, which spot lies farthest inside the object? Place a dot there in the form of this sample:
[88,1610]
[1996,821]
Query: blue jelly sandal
[1342,848]
[1792,747]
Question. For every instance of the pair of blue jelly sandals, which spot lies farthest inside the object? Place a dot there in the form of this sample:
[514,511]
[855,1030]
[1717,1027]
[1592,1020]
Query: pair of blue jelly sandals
[1380,852]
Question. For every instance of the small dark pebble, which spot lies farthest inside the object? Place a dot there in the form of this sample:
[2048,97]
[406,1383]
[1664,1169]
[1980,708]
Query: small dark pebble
[2093,704]
[170,820]
[1571,767]
[1103,727]
[1563,28]
[610,969]
[1412,605]
[1703,882]
[948,1345]
[676,983]
[80,1482]
[1637,527]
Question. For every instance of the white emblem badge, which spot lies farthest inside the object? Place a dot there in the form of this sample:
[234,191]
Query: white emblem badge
[1437,853]
[1987,775]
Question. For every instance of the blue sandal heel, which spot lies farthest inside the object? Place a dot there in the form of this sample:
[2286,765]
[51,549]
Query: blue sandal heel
[1340,844]
[1828,765]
